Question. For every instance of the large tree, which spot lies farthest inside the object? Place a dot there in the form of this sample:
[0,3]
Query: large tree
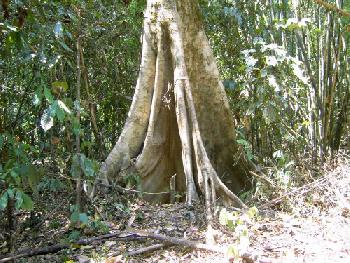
[179,122]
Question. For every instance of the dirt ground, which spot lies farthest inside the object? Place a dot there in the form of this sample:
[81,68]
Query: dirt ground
[305,224]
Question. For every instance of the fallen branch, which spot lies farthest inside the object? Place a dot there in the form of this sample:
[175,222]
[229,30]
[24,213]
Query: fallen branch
[146,249]
[34,252]
[120,235]
[128,190]
[248,257]
[128,235]
[142,250]
[56,248]
[180,241]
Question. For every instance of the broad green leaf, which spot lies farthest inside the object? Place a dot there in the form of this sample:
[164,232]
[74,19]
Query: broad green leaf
[48,95]
[59,87]
[63,106]
[19,199]
[76,166]
[65,47]
[10,193]
[36,99]
[34,176]
[83,218]
[243,142]
[74,217]
[27,202]
[53,108]
[231,224]
[14,174]
[60,114]
[74,235]
[87,166]
[1,141]
[3,200]
[229,84]
[252,212]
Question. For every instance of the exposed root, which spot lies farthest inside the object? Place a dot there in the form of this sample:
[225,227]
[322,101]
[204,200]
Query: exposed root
[207,177]
[165,129]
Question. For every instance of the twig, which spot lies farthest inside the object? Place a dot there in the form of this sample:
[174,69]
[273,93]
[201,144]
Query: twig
[128,190]
[116,187]
[147,249]
[300,190]
[264,178]
[180,241]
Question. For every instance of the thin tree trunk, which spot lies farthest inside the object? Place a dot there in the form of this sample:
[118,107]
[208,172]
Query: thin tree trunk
[91,104]
[78,182]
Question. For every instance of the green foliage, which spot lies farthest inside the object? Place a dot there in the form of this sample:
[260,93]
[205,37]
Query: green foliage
[4,200]
[22,200]
[97,226]
[238,223]
[77,217]
[282,169]
[74,236]
[271,85]
[81,163]
[247,147]
[51,184]
[132,179]
[17,173]
[86,222]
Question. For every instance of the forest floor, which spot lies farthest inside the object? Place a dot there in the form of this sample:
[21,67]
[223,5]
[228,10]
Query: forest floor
[310,223]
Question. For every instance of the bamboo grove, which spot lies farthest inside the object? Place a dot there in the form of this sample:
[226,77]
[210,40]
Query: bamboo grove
[297,99]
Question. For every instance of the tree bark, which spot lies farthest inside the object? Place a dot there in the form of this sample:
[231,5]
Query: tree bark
[180,122]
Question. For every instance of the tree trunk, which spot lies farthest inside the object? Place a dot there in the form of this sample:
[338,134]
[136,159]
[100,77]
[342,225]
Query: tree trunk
[180,122]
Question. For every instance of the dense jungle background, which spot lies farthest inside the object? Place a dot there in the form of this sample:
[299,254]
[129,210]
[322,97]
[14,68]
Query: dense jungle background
[68,71]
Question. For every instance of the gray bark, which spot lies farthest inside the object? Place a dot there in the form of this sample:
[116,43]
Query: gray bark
[180,122]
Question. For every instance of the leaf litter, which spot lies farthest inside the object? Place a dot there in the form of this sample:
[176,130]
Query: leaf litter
[314,226]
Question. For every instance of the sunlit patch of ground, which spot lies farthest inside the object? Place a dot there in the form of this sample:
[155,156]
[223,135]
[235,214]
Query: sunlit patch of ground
[318,229]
